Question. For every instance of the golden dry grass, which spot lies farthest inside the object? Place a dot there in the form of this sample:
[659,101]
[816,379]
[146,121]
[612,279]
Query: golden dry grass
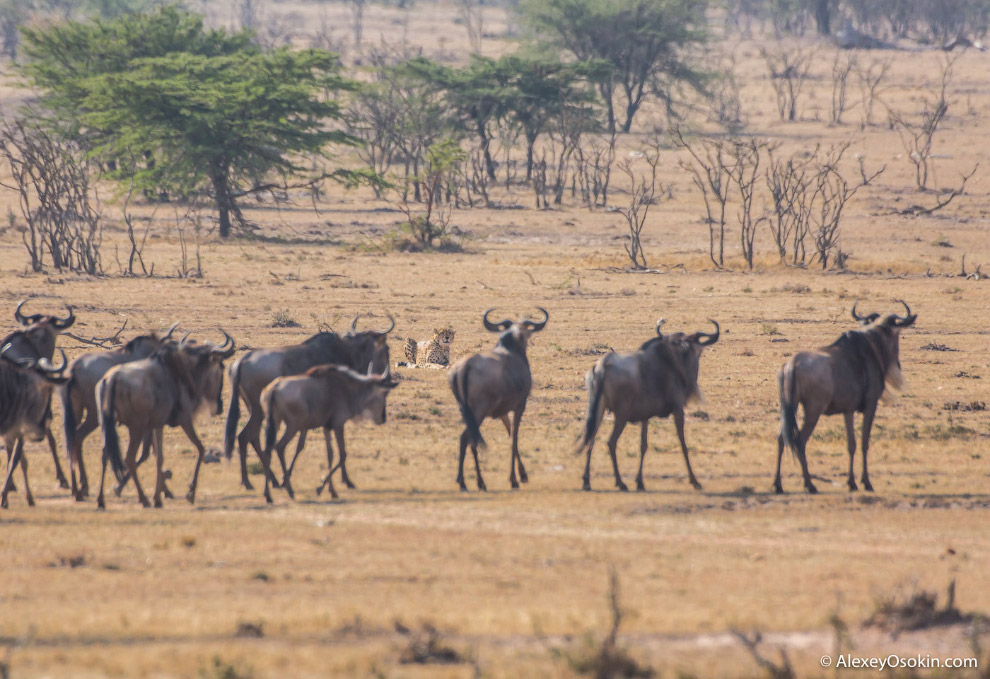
[510,575]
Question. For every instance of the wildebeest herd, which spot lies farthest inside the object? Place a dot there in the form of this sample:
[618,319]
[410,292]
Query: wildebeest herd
[156,381]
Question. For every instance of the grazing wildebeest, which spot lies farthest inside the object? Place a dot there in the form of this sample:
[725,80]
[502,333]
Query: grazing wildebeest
[656,381]
[36,339]
[79,397]
[495,384]
[253,371]
[25,410]
[166,389]
[848,376]
[326,396]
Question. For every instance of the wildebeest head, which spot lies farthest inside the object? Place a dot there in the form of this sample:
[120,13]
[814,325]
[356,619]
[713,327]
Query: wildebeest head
[36,412]
[885,337]
[205,369]
[36,338]
[374,399]
[370,345]
[864,320]
[682,352]
[145,345]
[517,333]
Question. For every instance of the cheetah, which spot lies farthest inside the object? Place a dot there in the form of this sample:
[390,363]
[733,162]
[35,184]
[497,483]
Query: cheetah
[433,353]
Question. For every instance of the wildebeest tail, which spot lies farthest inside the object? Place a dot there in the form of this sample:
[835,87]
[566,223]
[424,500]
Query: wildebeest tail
[596,406]
[271,424]
[69,420]
[105,391]
[233,410]
[470,421]
[788,407]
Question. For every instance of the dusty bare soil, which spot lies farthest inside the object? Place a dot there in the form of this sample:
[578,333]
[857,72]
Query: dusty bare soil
[516,580]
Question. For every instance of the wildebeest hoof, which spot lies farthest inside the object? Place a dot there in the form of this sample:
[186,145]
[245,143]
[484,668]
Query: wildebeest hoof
[100,504]
[523,476]
[514,484]
[288,489]
[145,503]
[30,500]
[275,482]
[811,489]
[640,487]
[622,486]
[247,484]
[697,486]
[482,486]
[3,503]
[168,492]
[63,484]
[268,498]
[852,486]
[191,497]
[867,485]
[158,503]
[350,486]
[586,485]
[778,489]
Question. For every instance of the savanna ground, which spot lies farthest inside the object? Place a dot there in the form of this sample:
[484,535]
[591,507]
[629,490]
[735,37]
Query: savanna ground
[517,580]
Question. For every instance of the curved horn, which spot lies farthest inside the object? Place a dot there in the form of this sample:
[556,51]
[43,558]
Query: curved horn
[660,322]
[390,327]
[864,320]
[170,331]
[494,327]
[536,326]
[705,339]
[45,366]
[222,351]
[64,323]
[18,316]
[907,319]
[184,338]
[25,320]
[354,323]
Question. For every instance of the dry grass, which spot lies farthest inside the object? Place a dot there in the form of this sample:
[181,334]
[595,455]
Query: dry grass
[173,592]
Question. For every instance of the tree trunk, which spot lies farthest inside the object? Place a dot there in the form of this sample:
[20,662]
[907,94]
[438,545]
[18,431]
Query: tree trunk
[486,143]
[823,17]
[224,201]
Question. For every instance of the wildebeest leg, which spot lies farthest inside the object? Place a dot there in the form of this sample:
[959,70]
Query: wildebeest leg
[159,461]
[851,445]
[250,433]
[103,475]
[460,461]
[13,459]
[868,414]
[131,460]
[146,445]
[679,423]
[59,475]
[24,470]
[88,426]
[613,440]
[642,455]
[778,487]
[328,479]
[190,432]
[477,468]
[287,472]
[587,468]
[810,420]
[516,419]
[342,453]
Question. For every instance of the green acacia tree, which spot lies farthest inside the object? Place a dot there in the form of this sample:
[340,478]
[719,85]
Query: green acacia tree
[646,43]
[173,106]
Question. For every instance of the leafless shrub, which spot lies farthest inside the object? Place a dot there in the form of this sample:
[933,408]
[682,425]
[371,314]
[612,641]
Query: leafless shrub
[470,14]
[842,65]
[725,104]
[608,660]
[357,22]
[788,180]
[871,77]
[710,174]
[831,193]
[594,169]
[426,647]
[940,202]
[745,173]
[915,610]
[916,137]
[789,68]
[643,188]
[60,207]
[775,670]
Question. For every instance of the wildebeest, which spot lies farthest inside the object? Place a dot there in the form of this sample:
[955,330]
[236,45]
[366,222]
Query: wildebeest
[166,389]
[79,397]
[495,384]
[25,410]
[36,339]
[326,396]
[864,320]
[253,371]
[848,376]
[658,380]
